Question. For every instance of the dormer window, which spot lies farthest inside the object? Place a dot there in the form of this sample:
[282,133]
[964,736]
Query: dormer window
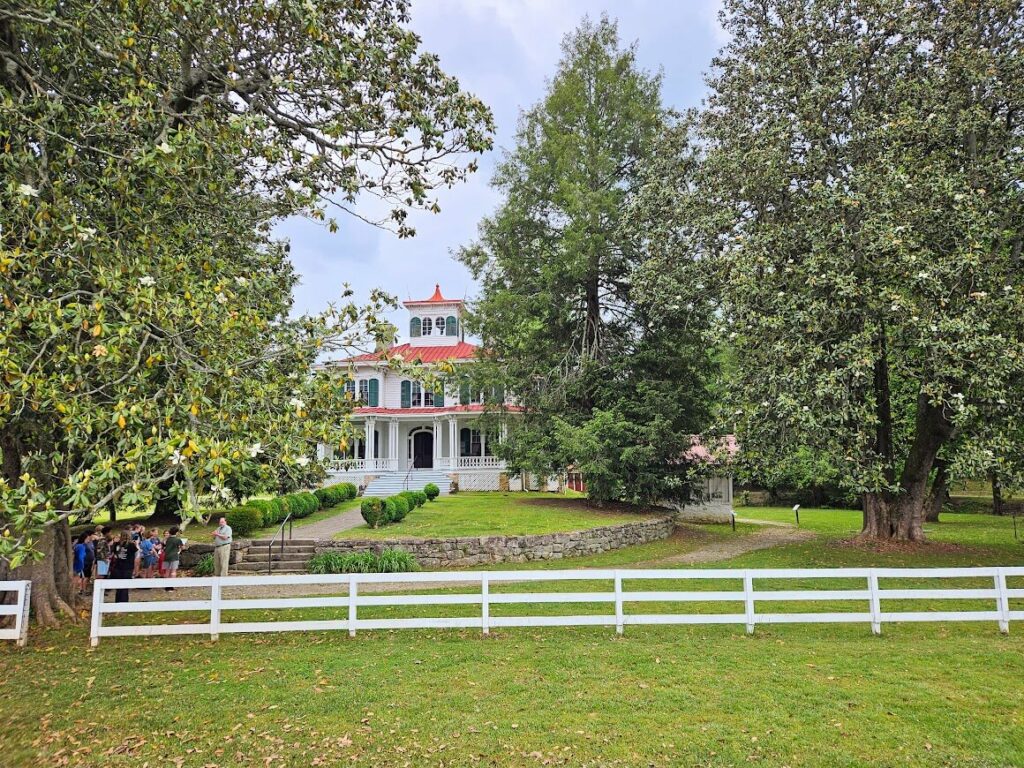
[427,326]
[439,325]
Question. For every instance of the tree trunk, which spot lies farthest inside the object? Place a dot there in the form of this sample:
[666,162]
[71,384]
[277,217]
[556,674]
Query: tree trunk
[939,491]
[53,595]
[901,517]
[997,495]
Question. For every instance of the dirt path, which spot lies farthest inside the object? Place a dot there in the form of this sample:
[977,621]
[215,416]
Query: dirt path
[326,528]
[772,535]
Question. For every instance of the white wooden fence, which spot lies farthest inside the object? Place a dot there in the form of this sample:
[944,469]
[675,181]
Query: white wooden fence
[617,597]
[19,610]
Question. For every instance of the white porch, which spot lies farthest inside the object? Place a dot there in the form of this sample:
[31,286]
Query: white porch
[401,444]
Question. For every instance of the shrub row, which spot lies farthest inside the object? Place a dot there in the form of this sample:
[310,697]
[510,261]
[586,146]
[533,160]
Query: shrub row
[388,561]
[263,513]
[377,511]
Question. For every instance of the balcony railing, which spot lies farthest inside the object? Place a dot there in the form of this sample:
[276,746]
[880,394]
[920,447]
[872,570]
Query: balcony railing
[479,462]
[364,465]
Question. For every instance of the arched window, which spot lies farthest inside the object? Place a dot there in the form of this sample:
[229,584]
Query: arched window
[439,325]
[414,327]
[427,326]
[452,326]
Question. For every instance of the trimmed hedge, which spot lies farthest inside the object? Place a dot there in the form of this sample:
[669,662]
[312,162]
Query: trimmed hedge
[389,561]
[273,510]
[421,498]
[399,508]
[333,495]
[244,520]
[432,491]
[374,511]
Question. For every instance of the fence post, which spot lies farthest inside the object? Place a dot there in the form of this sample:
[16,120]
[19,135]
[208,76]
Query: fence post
[485,605]
[215,609]
[1002,601]
[352,592]
[875,603]
[619,612]
[98,593]
[25,600]
[748,599]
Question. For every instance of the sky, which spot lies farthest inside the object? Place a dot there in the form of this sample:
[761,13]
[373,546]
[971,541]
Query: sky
[504,52]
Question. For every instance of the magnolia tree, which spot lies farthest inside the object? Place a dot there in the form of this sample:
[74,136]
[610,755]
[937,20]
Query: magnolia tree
[861,183]
[147,338]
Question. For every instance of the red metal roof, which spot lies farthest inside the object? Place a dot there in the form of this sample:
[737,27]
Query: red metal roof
[437,298]
[463,350]
[476,408]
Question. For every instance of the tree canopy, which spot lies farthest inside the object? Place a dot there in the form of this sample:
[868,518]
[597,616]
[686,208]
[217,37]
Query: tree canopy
[609,382]
[146,327]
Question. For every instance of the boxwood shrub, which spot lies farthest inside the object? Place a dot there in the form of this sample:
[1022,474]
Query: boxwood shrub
[399,508]
[374,511]
[432,491]
[244,520]
[271,509]
[421,498]
[333,495]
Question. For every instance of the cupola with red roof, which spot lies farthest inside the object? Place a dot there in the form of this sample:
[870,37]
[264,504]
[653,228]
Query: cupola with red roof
[435,322]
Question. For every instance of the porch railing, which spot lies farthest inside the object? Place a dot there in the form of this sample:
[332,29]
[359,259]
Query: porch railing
[479,462]
[364,465]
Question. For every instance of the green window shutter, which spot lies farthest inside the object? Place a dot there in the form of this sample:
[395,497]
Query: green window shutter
[374,393]
[452,326]
[464,394]
[499,395]
[439,398]
[414,327]
[406,394]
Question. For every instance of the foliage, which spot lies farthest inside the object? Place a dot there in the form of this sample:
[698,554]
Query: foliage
[147,332]
[398,508]
[204,567]
[420,498]
[244,520]
[388,561]
[333,495]
[302,504]
[571,335]
[374,511]
[432,491]
[858,204]
[272,510]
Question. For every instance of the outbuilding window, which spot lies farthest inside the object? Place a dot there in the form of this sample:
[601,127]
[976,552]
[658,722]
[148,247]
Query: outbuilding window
[427,326]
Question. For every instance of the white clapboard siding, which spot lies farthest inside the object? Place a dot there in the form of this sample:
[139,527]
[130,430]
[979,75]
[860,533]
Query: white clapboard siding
[877,588]
[18,609]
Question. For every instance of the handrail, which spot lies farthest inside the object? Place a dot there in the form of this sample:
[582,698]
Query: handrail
[405,482]
[270,546]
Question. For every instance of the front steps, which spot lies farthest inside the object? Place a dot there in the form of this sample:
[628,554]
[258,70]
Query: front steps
[293,559]
[395,482]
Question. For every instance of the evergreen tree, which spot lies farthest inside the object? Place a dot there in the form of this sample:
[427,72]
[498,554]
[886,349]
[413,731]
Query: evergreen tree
[609,382]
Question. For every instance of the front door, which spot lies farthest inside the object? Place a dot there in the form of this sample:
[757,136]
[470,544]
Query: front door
[423,450]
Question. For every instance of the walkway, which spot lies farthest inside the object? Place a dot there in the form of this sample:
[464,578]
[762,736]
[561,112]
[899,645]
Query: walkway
[326,528]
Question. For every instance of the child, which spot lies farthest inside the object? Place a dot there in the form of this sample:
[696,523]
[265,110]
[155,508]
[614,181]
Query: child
[102,547]
[78,566]
[147,557]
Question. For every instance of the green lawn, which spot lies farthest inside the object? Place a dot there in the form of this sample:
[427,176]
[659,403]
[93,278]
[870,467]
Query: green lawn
[487,514]
[798,695]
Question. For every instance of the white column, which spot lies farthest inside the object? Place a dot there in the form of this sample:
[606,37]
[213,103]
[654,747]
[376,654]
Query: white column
[483,444]
[437,442]
[371,446]
[453,443]
[393,442]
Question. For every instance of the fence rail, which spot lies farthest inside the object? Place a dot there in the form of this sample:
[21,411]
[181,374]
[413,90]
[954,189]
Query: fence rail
[617,597]
[19,610]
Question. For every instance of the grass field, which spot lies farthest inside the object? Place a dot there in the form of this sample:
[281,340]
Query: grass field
[492,513]
[809,696]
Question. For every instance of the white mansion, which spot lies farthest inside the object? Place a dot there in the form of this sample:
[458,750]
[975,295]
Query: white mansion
[412,436]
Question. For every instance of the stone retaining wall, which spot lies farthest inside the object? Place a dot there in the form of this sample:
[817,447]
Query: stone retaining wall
[193,553]
[482,550]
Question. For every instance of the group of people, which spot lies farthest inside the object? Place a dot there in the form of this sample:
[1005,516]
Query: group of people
[134,552]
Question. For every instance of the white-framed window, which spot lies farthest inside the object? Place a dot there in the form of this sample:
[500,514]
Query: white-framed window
[417,395]
[427,326]
[439,326]
[364,391]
